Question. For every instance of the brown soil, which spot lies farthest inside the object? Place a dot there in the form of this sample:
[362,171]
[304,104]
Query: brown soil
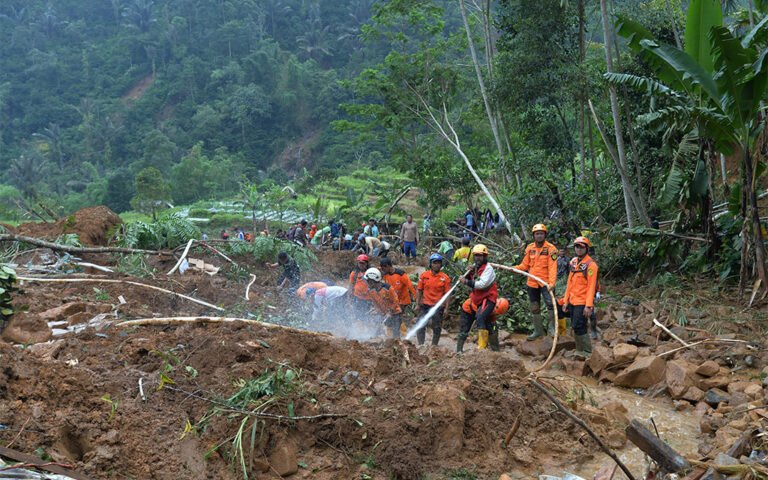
[138,89]
[93,225]
[407,413]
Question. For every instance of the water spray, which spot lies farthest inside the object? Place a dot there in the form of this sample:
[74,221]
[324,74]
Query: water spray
[431,313]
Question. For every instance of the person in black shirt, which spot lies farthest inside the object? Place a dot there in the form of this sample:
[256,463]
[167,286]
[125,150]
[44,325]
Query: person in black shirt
[291,274]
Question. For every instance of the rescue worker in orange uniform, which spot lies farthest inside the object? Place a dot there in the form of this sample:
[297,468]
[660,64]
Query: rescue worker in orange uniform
[403,287]
[433,285]
[540,259]
[481,279]
[502,307]
[382,295]
[359,299]
[302,291]
[579,296]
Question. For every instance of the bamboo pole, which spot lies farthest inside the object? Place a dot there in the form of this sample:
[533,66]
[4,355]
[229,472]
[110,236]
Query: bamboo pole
[183,256]
[554,308]
[128,282]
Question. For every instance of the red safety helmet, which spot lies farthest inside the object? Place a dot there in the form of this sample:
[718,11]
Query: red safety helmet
[363,258]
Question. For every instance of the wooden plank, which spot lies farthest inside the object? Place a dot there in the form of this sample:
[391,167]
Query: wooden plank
[660,452]
[33,460]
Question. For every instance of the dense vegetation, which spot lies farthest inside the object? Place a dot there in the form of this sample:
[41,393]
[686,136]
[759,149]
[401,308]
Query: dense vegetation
[618,117]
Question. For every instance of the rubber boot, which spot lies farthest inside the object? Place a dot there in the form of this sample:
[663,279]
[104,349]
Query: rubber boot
[593,327]
[436,335]
[421,335]
[493,341]
[538,328]
[460,342]
[583,346]
[482,339]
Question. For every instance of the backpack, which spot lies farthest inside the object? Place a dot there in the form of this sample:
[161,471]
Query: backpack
[291,233]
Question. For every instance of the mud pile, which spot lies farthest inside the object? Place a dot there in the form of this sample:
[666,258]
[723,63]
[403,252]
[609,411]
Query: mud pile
[92,225]
[402,414]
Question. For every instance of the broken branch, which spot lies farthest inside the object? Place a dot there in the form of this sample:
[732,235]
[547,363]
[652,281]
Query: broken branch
[654,447]
[583,425]
[7,237]
[106,280]
[669,332]
[183,256]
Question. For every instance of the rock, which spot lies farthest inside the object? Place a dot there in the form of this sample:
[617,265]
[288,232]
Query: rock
[25,328]
[682,405]
[80,317]
[606,376]
[642,373]
[63,311]
[708,368]
[719,381]
[573,367]
[261,465]
[723,459]
[714,396]
[616,439]
[617,412]
[283,458]
[725,438]
[535,348]
[738,386]
[738,398]
[601,358]
[754,391]
[350,377]
[504,476]
[680,377]
[693,394]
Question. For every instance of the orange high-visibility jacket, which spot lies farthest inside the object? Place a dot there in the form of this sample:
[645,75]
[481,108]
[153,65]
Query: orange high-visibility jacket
[402,285]
[582,282]
[358,285]
[385,300]
[541,262]
[433,286]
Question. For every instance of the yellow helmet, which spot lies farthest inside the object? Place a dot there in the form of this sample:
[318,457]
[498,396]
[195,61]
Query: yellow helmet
[539,227]
[479,249]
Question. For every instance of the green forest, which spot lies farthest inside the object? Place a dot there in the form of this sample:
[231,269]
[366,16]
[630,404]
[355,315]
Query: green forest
[639,120]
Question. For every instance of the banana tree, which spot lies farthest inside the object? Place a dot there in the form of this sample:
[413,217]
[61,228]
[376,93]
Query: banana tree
[723,105]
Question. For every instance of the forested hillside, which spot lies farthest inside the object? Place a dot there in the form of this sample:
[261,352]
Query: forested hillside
[94,91]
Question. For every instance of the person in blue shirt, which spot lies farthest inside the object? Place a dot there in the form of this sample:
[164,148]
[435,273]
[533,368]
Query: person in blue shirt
[371,230]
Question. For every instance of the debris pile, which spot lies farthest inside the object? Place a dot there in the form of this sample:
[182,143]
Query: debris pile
[93,226]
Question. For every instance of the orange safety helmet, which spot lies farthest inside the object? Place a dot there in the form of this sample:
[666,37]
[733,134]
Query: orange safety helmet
[502,306]
[479,249]
[583,241]
[539,227]
[468,306]
[363,258]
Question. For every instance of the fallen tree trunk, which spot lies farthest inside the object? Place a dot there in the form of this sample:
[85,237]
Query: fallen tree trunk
[41,464]
[654,447]
[7,237]
[202,319]
[128,282]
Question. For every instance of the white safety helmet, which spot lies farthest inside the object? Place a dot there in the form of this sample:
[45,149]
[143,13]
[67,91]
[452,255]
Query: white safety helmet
[372,274]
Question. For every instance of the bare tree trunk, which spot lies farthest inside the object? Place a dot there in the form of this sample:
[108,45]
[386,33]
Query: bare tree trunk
[754,215]
[488,110]
[582,90]
[674,26]
[622,158]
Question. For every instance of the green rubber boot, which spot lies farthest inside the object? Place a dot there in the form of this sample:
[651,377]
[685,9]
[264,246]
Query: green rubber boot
[538,328]
[460,339]
[493,341]
[583,346]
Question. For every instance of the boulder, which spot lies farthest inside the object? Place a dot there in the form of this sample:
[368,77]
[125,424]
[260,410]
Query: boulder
[754,391]
[606,376]
[709,368]
[715,396]
[574,367]
[642,373]
[738,386]
[443,404]
[738,398]
[719,381]
[283,457]
[680,377]
[601,358]
[25,328]
[693,394]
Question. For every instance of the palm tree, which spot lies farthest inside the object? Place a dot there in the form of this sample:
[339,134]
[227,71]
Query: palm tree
[722,104]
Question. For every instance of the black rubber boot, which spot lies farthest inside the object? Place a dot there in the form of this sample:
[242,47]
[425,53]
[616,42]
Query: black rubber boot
[436,335]
[493,341]
[460,339]
[593,327]
[421,335]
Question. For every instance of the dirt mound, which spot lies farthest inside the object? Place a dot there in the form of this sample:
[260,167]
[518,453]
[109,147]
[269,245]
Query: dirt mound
[92,225]
[401,414]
